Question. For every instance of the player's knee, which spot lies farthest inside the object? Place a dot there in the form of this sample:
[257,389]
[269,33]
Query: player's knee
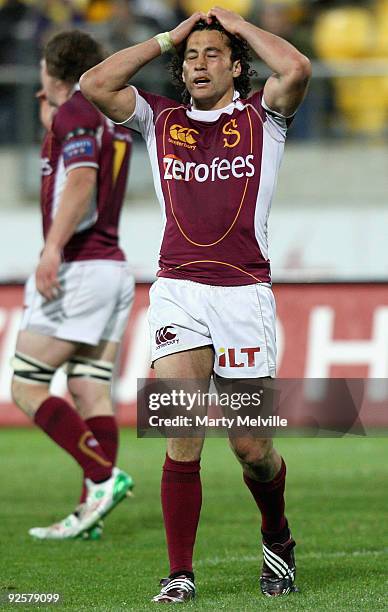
[78,395]
[18,392]
[252,453]
[90,399]
[77,389]
[184,449]
[30,383]
[27,398]
[89,383]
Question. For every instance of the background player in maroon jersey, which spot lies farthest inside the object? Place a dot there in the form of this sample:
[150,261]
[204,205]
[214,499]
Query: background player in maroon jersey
[215,161]
[78,301]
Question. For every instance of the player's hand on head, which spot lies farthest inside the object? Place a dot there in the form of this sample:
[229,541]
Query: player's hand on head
[46,275]
[183,29]
[228,19]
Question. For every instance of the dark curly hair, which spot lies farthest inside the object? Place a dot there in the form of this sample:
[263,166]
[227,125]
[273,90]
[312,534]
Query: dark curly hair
[239,51]
[70,54]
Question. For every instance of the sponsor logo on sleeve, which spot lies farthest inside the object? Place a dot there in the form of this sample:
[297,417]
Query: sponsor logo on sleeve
[83,147]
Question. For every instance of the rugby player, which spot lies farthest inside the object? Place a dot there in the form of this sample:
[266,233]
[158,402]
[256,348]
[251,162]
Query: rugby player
[215,159]
[78,300]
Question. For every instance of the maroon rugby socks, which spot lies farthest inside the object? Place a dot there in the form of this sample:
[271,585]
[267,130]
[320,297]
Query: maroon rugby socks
[106,432]
[181,494]
[62,423]
[269,497]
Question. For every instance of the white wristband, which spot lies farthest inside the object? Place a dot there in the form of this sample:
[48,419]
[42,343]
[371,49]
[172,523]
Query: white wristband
[165,42]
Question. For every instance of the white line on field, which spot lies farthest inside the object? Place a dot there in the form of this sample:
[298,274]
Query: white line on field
[308,555]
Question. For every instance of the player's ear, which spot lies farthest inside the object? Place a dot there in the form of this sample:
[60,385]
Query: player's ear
[236,69]
[183,77]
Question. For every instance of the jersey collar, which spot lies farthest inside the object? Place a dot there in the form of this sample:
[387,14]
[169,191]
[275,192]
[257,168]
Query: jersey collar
[213,115]
[75,89]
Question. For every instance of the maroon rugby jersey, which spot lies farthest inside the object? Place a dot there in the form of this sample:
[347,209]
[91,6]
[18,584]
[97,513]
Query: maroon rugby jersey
[81,136]
[215,173]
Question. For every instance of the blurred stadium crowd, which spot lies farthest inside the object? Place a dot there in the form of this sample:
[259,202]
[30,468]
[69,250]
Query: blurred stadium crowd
[347,40]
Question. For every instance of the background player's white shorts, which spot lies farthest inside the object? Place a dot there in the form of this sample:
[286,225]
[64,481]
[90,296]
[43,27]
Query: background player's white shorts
[239,322]
[93,305]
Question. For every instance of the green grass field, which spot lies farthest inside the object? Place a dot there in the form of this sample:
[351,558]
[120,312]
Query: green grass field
[337,500]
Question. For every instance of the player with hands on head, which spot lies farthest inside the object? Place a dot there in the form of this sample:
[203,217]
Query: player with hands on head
[215,159]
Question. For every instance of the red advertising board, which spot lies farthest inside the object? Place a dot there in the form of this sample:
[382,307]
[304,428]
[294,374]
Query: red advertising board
[324,330]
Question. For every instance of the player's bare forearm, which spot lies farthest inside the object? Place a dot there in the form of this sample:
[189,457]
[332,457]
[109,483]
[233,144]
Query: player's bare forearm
[73,206]
[279,55]
[72,209]
[106,85]
[286,88]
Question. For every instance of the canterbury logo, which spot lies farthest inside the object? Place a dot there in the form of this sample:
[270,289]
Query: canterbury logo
[231,131]
[183,134]
[164,335]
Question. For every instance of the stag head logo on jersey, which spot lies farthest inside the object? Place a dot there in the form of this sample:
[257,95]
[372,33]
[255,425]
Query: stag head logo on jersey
[183,136]
[230,129]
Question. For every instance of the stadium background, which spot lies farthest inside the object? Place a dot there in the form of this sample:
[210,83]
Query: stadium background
[329,256]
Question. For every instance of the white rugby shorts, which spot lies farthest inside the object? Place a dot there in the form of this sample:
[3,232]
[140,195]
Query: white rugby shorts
[93,305]
[239,322]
